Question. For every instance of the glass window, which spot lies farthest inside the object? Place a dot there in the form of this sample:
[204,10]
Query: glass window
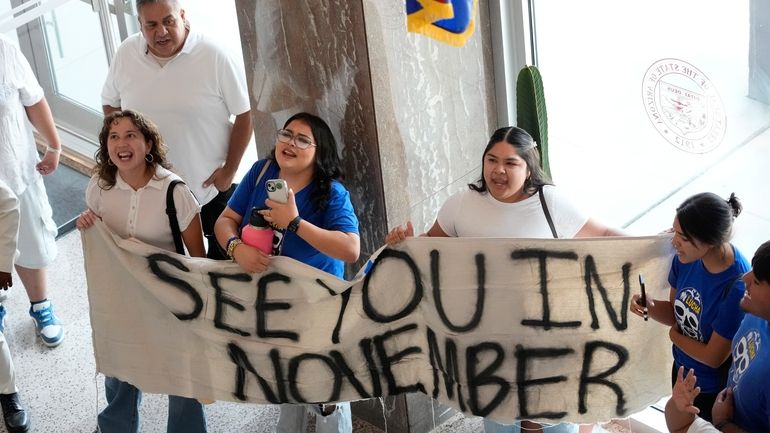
[643,97]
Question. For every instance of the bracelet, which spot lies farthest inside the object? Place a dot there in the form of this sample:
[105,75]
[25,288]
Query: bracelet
[722,424]
[231,247]
[229,240]
[56,150]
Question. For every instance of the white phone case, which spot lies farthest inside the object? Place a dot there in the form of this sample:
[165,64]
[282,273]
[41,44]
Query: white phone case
[277,190]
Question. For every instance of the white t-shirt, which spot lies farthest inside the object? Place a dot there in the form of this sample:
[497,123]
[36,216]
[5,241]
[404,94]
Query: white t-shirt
[9,227]
[18,89]
[141,214]
[191,99]
[472,214]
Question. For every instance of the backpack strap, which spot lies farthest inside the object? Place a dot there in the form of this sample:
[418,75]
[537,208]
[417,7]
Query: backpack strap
[545,211]
[172,219]
[262,172]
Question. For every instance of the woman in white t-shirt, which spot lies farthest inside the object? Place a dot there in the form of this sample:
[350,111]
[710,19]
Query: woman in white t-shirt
[128,193]
[507,202]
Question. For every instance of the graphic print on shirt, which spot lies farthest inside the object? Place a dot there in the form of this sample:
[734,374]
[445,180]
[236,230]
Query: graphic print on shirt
[687,309]
[744,352]
[277,242]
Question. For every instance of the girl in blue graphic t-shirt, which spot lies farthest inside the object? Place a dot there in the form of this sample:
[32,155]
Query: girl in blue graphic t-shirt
[706,288]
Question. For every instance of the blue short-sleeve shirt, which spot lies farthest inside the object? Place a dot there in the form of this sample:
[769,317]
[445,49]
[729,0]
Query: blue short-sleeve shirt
[338,215]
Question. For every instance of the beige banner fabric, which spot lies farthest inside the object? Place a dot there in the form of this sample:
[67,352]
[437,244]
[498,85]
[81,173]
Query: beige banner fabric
[504,328]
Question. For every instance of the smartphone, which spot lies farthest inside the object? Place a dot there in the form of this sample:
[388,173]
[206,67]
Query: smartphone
[277,190]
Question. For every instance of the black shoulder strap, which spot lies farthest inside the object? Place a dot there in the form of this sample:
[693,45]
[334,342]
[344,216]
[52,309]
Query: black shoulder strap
[729,286]
[172,219]
[545,211]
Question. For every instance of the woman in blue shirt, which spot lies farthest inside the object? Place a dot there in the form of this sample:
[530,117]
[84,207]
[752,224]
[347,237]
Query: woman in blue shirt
[316,226]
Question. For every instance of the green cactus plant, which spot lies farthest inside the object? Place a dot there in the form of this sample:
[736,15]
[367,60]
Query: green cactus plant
[531,114]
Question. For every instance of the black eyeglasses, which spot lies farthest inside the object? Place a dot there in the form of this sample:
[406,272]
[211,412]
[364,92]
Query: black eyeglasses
[301,141]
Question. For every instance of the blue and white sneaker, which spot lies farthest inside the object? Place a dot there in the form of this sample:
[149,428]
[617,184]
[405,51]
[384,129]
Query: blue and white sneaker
[47,325]
[2,318]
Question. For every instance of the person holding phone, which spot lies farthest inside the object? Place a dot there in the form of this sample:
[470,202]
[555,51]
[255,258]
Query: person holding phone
[512,198]
[744,405]
[316,225]
[706,288]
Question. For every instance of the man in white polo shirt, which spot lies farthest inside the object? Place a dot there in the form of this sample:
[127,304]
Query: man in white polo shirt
[189,87]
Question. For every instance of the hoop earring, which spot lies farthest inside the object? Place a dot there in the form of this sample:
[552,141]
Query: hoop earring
[149,158]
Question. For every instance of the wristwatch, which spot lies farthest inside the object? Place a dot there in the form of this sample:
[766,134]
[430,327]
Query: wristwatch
[294,224]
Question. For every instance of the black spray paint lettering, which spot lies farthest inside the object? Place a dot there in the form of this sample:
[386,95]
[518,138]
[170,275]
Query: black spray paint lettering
[154,263]
[473,323]
[263,307]
[414,302]
[621,353]
[591,275]
[380,360]
[449,368]
[523,357]
[286,374]
[222,300]
[485,377]
[542,256]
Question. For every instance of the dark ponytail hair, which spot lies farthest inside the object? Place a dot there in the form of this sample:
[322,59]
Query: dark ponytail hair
[708,217]
[526,148]
[327,165]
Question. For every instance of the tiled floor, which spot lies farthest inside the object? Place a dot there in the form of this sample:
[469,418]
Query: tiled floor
[63,393]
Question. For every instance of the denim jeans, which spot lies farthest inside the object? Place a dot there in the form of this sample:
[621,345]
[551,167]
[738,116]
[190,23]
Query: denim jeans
[293,419]
[185,415]
[493,427]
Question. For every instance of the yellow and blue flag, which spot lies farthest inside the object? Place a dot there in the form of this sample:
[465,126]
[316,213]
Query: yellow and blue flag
[448,21]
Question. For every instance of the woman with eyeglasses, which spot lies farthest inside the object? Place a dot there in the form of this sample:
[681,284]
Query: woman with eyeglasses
[316,226]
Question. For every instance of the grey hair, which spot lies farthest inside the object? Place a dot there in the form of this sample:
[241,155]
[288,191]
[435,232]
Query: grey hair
[141,3]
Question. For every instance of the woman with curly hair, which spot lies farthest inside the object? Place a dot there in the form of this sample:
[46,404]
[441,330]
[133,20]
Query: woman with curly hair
[128,193]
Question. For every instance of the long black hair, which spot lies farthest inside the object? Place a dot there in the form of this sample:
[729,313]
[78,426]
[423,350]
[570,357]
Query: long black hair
[327,162]
[526,148]
[708,217]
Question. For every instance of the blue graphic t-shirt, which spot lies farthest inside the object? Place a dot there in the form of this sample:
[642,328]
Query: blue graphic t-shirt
[338,216]
[707,303]
[749,375]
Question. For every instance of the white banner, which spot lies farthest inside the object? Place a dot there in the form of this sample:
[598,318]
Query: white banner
[504,328]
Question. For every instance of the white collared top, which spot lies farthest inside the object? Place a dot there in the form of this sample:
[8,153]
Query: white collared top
[141,213]
[190,98]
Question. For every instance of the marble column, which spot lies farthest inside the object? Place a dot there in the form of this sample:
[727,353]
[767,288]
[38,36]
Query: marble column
[412,116]
[311,55]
